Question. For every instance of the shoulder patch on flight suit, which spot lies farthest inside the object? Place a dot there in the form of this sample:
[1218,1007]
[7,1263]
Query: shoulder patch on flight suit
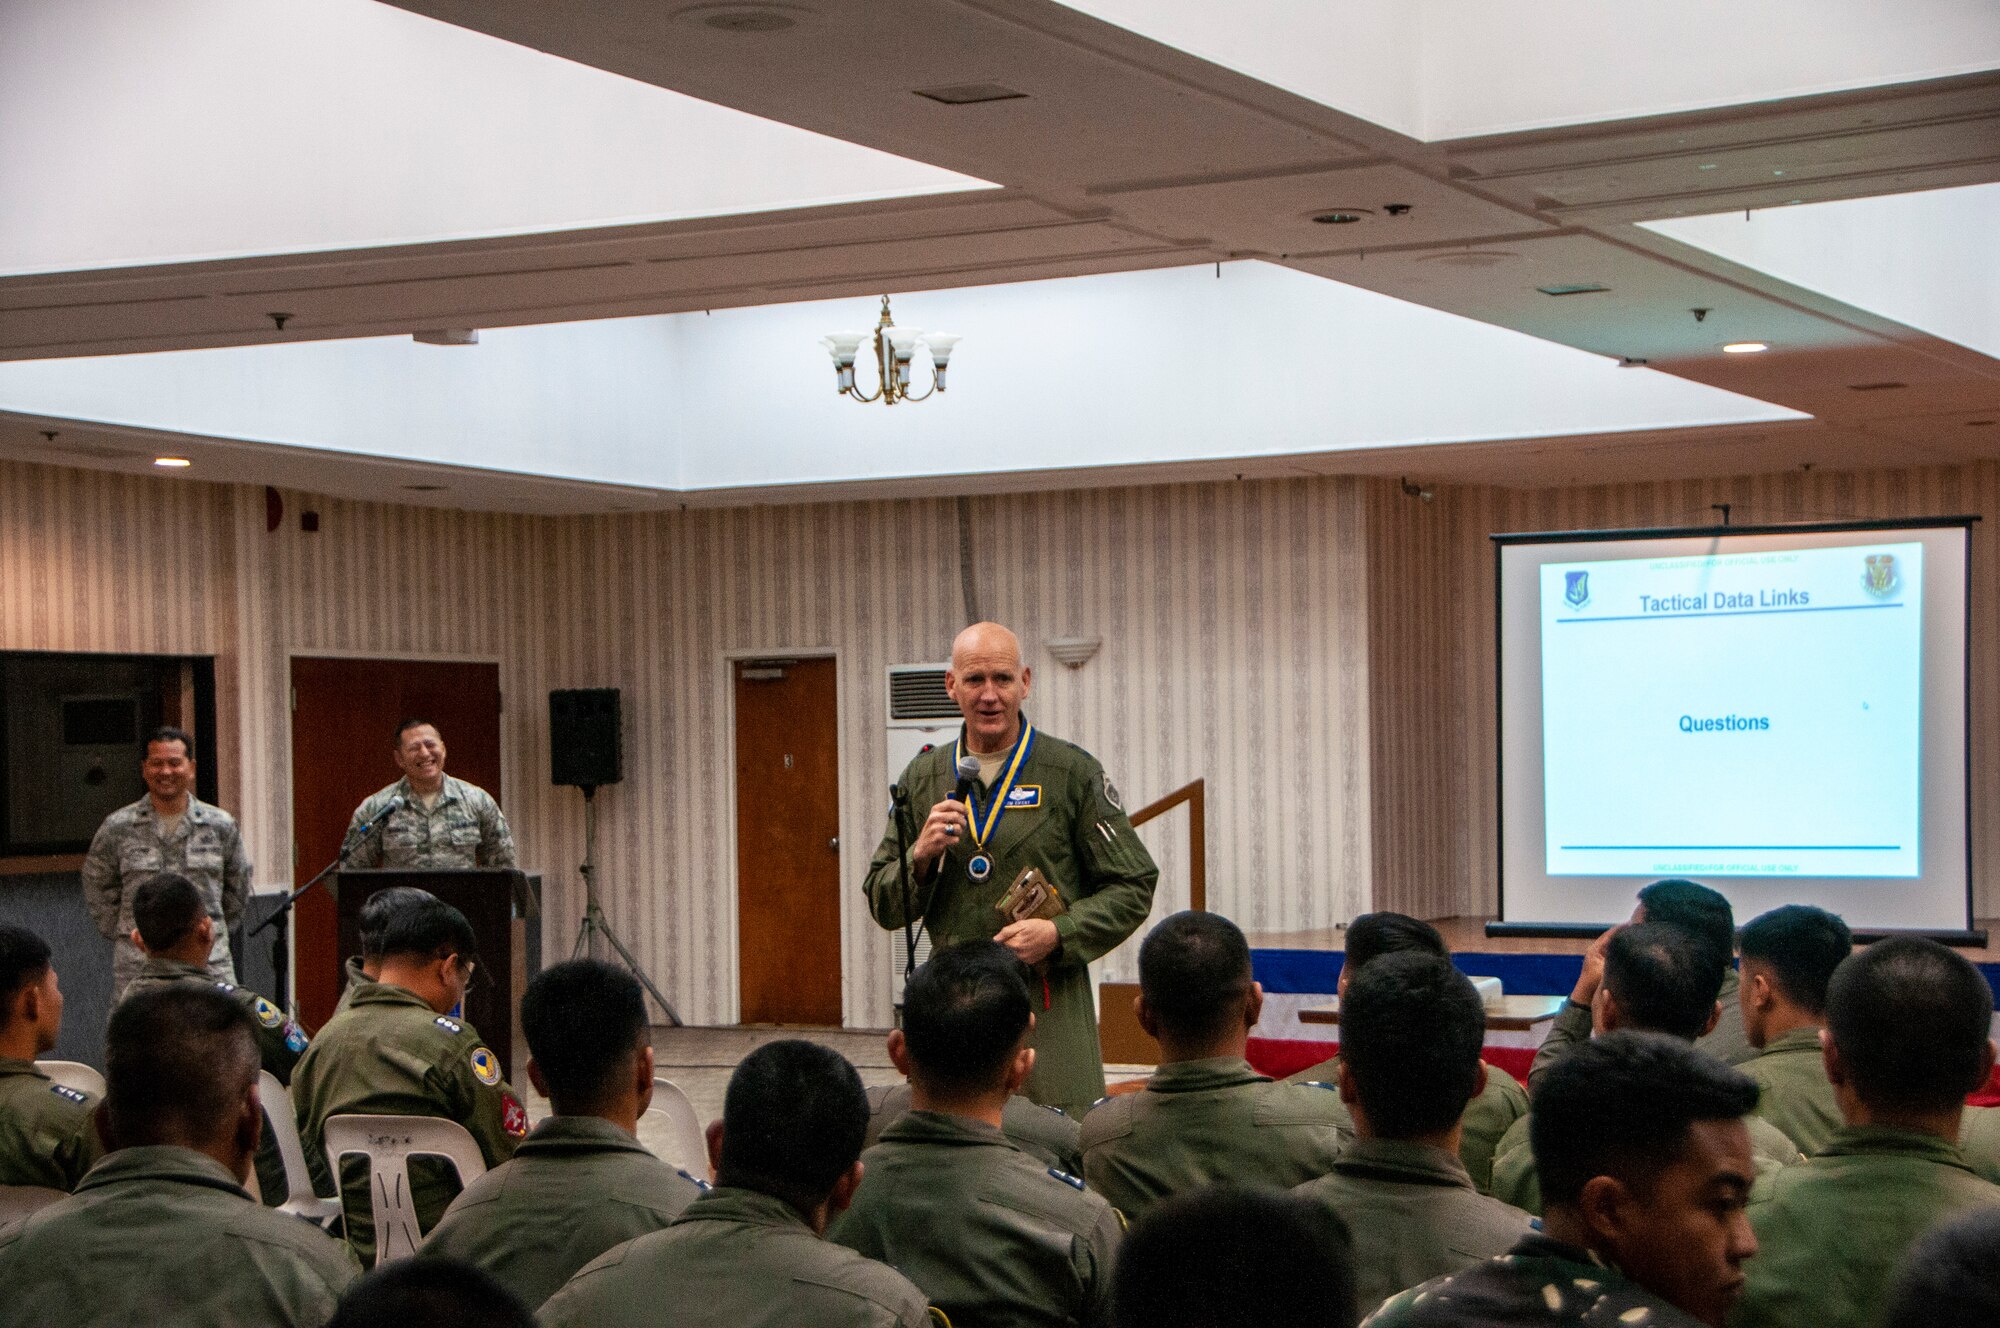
[485,1066]
[295,1037]
[68,1094]
[1074,1182]
[267,1014]
[449,1024]
[514,1117]
[699,1183]
[1111,793]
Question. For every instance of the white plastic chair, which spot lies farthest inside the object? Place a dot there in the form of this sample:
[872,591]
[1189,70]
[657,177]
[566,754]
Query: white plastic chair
[18,1201]
[73,1074]
[686,1145]
[389,1142]
[284,1127]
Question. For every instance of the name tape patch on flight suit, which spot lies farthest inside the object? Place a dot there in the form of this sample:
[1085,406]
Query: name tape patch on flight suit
[486,1066]
[1025,795]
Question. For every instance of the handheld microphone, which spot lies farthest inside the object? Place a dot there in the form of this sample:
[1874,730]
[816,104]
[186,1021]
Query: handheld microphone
[968,770]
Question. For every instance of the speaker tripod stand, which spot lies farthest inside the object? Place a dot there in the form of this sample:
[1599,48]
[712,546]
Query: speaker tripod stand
[594,923]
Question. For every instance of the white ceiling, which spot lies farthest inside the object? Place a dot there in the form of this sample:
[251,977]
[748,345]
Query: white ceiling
[1127,154]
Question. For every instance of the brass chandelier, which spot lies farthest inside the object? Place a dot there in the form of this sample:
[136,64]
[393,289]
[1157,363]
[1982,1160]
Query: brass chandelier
[895,355]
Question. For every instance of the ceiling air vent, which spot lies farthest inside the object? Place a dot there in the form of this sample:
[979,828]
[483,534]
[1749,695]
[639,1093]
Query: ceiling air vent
[970,94]
[916,691]
[1875,387]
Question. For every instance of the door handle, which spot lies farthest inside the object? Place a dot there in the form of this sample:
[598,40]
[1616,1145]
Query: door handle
[834,843]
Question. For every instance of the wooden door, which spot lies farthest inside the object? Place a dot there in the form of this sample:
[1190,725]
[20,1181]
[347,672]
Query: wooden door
[344,717]
[788,842]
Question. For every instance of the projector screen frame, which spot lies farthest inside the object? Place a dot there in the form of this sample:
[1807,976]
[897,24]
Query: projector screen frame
[1968,936]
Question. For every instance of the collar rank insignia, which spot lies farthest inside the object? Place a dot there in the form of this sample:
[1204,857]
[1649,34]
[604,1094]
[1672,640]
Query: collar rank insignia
[448,1024]
[69,1094]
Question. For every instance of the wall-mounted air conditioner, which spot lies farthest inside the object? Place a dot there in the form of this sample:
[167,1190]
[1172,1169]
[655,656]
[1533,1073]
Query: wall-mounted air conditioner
[921,714]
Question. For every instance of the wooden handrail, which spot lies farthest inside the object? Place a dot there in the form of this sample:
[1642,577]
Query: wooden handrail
[1196,796]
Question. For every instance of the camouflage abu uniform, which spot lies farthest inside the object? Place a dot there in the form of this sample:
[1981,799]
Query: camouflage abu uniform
[464,828]
[389,1053]
[48,1136]
[1063,817]
[165,1235]
[280,1043]
[132,847]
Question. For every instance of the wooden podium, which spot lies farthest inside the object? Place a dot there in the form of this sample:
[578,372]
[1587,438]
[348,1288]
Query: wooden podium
[499,904]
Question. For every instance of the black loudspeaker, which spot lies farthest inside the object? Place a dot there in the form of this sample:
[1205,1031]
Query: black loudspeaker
[584,747]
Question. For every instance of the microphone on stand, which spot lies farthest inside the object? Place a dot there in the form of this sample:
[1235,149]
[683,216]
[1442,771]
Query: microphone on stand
[371,825]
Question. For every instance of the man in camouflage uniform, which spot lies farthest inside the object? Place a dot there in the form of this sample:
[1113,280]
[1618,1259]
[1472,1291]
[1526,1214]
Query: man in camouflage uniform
[47,1135]
[1789,955]
[990,1234]
[394,1051]
[162,1231]
[1646,1165]
[172,930]
[441,822]
[167,830]
[1036,802]
[1205,1117]
[1908,1025]
[1501,1100]
[582,1182]
[1658,978]
[1411,1030]
[750,1253]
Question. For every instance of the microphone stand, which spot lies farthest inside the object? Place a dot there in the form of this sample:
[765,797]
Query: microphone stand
[280,963]
[899,798]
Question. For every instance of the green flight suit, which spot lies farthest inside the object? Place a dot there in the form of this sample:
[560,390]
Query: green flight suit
[1793,1091]
[740,1258]
[990,1235]
[1063,817]
[1487,1117]
[1831,1233]
[48,1131]
[280,1043]
[1047,1132]
[354,980]
[1414,1214]
[390,1054]
[162,1235]
[576,1186]
[1979,1140]
[1540,1283]
[1516,1181]
[1204,1122]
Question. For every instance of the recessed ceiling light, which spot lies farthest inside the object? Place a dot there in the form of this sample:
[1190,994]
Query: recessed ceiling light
[1340,216]
[173,463]
[1574,288]
[970,94]
[749,19]
[1875,387]
[1744,348]
[425,488]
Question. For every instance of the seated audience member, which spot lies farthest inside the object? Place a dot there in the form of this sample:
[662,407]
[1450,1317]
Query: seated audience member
[1645,1164]
[162,1231]
[1695,909]
[1789,955]
[749,1253]
[1907,1025]
[1658,978]
[173,930]
[1951,1277]
[373,922]
[582,1182]
[48,1136]
[990,1234]
[394,1051]
[1205,1117]
[430,1293]
[1411,1029]
[1231,1258]
[1049,1133]
[1502,1100]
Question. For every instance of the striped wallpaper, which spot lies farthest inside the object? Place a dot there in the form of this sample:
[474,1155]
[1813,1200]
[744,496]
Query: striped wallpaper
[1320,650]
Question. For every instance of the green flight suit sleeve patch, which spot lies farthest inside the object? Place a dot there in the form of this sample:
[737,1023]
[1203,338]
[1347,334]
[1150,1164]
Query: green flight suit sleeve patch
[485,1066]
[267,1014]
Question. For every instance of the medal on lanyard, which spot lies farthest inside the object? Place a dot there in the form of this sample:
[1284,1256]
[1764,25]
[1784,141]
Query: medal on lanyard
[984,823]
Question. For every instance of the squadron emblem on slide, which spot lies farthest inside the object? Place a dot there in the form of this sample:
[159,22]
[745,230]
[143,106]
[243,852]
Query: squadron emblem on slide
[1576,589]
[1879,577]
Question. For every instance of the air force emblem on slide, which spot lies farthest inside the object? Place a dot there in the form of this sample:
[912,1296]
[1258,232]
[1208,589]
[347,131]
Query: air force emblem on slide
[1576,589]
[1879,576]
